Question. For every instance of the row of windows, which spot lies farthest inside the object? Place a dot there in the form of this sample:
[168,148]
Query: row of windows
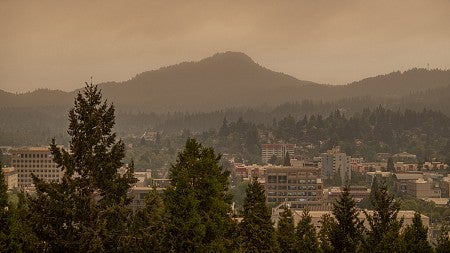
[293,187]
[42,171]
[33,155]
[291,193]
[32,161]
[39,175]
[271,179]
[36,166]
[290,199]
[30,180]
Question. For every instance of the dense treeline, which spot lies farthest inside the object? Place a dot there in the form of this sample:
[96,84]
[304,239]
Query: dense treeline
[37,125]
[364,134]
[425,133]
[88,210]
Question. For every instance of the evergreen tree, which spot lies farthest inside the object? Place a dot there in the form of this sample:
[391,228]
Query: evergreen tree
[86,211]
[346,233]
[306,237]
[21,237]
[415,236]
[149,225]
[256,232]
[197,201]
[287,159]
[390,167]
[384,233]
[273,160]
[443,241]
[327,223]
[286,231]
[224,130]
[4,210]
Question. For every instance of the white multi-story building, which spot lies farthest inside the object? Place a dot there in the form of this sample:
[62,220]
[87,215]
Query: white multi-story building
[336,163]
[37,161]
[276,149]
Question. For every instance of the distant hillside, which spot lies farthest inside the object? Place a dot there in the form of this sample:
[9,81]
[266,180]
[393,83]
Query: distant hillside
[37,98]
[231,79]
[223,80]
[398,84]
[438,99]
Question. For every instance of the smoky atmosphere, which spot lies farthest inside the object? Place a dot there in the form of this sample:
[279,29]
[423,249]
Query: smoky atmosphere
[225,126]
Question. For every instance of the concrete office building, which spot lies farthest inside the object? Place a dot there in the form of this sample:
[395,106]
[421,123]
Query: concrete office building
[37,161]
[301,187]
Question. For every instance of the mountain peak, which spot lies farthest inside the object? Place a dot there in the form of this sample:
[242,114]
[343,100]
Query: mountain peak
[229,57]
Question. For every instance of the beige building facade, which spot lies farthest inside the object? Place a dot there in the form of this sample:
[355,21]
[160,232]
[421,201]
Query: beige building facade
[301,187]
[11,177]
[37,161]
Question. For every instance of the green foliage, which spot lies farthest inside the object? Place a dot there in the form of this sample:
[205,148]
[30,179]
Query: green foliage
[415,236]
[347,230]
[21,237]
[273,160]
[443,241]
[384,232]
[197,201]
[306,237]
[86,211]
[390,165]
[286,231]
[256,232]
[238,193]
[428,208]
[4,212]
[327,222]
[149,225]
[287,160]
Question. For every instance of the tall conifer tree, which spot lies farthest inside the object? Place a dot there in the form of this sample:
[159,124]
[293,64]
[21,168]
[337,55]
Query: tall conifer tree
[384,233]
[4,212]
[86,211]
[286,231]
[257,233]
[415,236]
[306,236]
[346,233]
[197,201]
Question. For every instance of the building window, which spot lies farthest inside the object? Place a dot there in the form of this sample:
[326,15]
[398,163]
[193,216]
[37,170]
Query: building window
[282,179]
[271,179]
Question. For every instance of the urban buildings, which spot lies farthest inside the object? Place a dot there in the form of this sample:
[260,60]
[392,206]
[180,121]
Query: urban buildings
[37,161]
[10,177]
[336,163]
[276,149]
[421,188]
[301,187]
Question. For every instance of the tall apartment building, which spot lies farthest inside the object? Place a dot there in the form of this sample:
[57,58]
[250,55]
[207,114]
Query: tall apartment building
[277,149]
[300,186]
[37,161]
[336,163]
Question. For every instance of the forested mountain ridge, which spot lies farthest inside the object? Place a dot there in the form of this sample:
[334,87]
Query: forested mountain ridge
[223,80]
[398,84]
[231,79]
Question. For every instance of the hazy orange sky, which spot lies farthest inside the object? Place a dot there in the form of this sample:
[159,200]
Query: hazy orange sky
[60,44]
